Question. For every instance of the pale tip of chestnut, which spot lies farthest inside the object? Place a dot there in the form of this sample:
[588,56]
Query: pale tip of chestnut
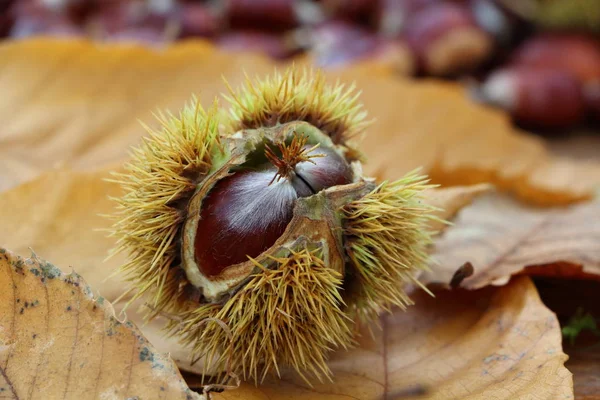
[459,50]
[540,97]
[309,12]
[499,89]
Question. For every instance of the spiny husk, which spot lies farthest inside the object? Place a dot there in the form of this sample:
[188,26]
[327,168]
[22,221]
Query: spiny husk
[386,242]
[288,315]
[291,312]
[161,175]
[298,96]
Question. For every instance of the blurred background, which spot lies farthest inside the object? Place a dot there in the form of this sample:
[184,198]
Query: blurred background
[537,59]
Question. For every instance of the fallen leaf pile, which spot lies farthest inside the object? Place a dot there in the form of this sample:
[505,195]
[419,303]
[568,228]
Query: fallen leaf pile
[70,112]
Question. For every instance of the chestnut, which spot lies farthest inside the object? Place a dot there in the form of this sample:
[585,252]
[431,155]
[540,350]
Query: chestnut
[246,212]
[338,43]
[540,97]
[576,53]
[447,40]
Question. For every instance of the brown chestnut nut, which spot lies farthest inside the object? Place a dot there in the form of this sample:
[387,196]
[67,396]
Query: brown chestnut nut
[245,213]
[547,98]
[578,54]
[447,40]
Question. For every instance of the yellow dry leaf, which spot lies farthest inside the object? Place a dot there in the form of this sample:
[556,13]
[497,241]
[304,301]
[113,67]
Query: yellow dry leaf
[501,237]
[78,103]
[57,340]
[58,215]
[497,343]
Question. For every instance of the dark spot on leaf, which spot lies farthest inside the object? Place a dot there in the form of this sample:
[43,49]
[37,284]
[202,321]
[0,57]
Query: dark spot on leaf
[34,336]
[146,355]
[22,310]
[68,308]
[50,271]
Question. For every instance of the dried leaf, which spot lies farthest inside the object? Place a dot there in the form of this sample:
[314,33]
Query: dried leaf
[450,200]
[79,103]
[58,341]
[497,343]
[58,216]
[501,237]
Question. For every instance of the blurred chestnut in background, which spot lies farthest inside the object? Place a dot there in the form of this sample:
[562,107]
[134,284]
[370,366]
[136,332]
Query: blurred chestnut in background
[150,22]
[393,14]
[336,43]
[363,12]
[266,15]
[536,97]
[198,19]
[447,40]
[502,24]
[576,53]
[36,17]
[271,44]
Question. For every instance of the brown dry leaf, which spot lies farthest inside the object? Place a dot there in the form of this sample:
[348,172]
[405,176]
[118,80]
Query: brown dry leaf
[58,341]
[78,103]
[58,216]
[501,237]
[450,200]
[497,343]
